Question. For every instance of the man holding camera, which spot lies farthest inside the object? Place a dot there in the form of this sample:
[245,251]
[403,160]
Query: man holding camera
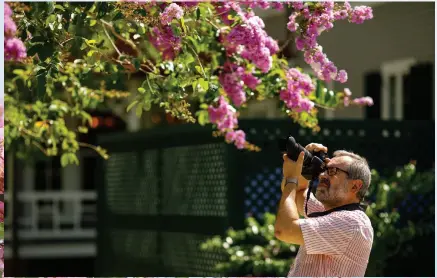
[336,235]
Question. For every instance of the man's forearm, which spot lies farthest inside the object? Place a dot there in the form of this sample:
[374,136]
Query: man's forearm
[287,205]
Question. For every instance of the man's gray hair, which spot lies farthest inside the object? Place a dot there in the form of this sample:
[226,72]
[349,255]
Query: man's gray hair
[358,170]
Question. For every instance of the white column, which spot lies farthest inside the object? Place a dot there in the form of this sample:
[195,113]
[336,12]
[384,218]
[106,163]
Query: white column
[397,69]
[71,180]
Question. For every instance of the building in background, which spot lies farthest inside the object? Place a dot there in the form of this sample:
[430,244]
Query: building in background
[390,58]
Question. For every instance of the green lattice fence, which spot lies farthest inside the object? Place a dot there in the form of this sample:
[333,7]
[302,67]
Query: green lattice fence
[164,191]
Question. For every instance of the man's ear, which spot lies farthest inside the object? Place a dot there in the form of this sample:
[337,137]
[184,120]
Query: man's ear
[356,185]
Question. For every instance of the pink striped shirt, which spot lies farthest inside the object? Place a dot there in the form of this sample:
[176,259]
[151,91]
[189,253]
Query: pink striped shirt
[335,245]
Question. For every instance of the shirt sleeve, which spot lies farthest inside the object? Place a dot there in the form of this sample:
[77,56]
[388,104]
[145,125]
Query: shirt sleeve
[328,235]
[313,204]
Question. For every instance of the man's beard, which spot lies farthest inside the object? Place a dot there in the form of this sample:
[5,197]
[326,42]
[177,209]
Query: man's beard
[327,195]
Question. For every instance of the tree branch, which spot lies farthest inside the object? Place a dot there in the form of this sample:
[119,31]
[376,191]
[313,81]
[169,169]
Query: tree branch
[111,41]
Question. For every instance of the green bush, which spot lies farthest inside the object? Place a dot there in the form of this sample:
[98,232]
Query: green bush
[255,251]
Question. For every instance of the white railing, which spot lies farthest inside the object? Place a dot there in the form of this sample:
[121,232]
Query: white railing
[53,215]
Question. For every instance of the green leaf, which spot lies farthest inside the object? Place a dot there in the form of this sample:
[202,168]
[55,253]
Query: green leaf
[131,105]
[59,7]
[183,25]
[199,69]
[203,117]
[82,129]
[141,90]
[139,110]
[203,84]
[93,22]
[65,160]
[204,106]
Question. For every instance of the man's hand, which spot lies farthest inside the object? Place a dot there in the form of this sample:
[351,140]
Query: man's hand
[316,147]
[292,169]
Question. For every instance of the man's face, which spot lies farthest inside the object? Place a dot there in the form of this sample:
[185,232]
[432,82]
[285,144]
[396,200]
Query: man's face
[334,189]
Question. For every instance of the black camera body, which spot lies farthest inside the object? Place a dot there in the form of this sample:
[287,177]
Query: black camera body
[313,163]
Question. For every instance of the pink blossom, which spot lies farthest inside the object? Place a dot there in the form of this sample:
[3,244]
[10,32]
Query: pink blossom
[363,101]
[7,10]
[14,49]
[250,80]
[256,45]
[238,137]
[10,27]
[297,84]
[171,12]
[361,13]
[278,5]
[165,41]
[292,24]
[224,115]
[347,95]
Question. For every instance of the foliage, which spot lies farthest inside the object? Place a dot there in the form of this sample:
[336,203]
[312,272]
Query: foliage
[255,251]
[402,210]
[189,56]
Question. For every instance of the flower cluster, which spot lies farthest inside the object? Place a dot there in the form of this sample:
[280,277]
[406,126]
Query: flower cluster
[309,23]
[172,11]
[225,117]
[14,47]
[164,40]
[255,44]
[362,101]
[233,78]
[297,84]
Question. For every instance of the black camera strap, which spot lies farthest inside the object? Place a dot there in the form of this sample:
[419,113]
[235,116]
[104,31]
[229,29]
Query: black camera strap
[350,207]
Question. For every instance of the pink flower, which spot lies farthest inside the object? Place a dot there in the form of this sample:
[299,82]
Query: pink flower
[238,137]
[297,83]
[363,101]
[7,10]
[292,24]
[224,116]
[361,13]
[171,12]
[342,76]
[14,49]
[165,41]
[278,5]
[347,95]
[256,45]
[250,80]
[10,27]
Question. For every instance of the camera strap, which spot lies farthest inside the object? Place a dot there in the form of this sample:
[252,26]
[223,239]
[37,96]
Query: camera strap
[350,207]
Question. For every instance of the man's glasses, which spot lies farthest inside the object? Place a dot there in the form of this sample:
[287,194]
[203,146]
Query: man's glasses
[331,171]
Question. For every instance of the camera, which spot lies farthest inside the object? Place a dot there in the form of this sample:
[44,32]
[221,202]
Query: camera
[313,163]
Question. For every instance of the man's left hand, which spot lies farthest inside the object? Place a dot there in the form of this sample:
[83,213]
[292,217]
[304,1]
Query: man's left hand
[292,169]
